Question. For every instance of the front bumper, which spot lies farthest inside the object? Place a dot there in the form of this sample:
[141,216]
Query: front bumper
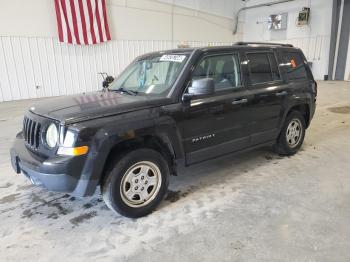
[59,173]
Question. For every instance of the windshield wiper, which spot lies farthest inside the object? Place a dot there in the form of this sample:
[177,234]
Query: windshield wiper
[124,90]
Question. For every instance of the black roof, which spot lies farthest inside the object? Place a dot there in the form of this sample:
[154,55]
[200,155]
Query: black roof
[262,44]
[238,45]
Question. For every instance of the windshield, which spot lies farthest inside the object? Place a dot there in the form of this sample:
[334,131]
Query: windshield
[153,76]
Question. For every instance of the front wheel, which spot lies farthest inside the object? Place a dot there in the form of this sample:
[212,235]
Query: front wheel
[136,183]
[292,134]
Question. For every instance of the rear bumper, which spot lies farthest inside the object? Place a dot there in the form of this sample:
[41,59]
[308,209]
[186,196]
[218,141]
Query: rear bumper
[60,173]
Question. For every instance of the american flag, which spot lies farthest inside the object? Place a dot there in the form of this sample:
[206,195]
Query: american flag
[82,22]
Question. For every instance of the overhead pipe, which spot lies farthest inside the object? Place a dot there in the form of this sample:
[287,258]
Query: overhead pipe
[235,26]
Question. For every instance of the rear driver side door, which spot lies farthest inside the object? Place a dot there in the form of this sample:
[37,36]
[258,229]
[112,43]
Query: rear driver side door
[269,94]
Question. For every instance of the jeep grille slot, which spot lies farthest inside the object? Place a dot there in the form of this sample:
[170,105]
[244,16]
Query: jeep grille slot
[31,132]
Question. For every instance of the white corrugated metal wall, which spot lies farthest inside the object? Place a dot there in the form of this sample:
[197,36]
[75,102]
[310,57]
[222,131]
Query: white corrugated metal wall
[32,67]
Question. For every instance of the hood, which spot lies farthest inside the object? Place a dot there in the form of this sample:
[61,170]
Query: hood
[77,108]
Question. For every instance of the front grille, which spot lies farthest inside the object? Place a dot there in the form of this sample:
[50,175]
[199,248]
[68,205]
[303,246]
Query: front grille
[31,132]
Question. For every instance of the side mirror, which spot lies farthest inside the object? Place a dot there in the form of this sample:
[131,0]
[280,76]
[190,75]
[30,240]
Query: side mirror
[108,80]
[200,87]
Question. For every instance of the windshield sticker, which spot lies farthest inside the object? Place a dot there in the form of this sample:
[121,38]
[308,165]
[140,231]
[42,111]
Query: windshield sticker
[173,58]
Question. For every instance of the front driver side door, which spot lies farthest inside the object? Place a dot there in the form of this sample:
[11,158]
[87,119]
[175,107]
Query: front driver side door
[214,125]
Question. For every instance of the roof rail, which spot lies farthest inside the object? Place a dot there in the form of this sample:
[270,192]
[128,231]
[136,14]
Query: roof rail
[261,43]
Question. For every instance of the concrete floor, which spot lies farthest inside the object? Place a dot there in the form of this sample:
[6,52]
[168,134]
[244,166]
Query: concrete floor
[252,207]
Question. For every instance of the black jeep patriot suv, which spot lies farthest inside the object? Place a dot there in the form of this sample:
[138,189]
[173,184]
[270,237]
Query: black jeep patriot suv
[167,109]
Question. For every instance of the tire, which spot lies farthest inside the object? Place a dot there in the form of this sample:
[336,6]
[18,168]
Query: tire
[125,189]
[288,141]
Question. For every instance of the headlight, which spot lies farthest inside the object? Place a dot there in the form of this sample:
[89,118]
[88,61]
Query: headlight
[52,135]
[69,139]
[68,148]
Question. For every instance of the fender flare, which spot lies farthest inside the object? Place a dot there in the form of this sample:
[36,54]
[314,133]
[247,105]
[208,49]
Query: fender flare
[108,138]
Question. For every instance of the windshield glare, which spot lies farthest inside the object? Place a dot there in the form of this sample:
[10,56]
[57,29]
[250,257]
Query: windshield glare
[153,76]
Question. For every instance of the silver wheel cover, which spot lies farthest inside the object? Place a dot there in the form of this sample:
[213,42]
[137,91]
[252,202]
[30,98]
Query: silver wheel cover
[140,184]
[294,132]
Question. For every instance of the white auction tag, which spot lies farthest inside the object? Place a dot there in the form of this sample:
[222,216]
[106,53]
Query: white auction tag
[173,58]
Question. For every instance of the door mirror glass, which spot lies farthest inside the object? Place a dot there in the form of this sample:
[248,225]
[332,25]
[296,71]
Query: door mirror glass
[204,86]
[200,87]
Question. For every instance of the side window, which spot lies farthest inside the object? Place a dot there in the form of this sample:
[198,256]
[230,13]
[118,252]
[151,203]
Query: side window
[274,67]
[294,66]
[224,69]
[262,67]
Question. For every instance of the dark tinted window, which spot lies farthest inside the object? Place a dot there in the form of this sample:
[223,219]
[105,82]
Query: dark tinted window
[274,67]
[294,66]
[224,69]
[259,67]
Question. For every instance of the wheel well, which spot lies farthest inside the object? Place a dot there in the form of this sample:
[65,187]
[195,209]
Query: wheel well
[152,142]
[304,110]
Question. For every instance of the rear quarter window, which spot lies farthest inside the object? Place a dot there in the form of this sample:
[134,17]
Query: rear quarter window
[294,66]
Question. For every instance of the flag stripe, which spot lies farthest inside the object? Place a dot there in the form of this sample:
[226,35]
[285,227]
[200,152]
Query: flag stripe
[98,20]
[93,9]
[82,21]
[64,25]
[75,23]
[79,22]
[64,11]
[70,20]
[108,36]
[100,12]
[87,22]
[91,18]
[59,21]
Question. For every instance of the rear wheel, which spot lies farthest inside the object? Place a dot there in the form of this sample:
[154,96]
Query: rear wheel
[136,183]
[292,134]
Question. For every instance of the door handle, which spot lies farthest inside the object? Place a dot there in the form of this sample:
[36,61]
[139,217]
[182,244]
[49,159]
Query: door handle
[240,101]
[282,93]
